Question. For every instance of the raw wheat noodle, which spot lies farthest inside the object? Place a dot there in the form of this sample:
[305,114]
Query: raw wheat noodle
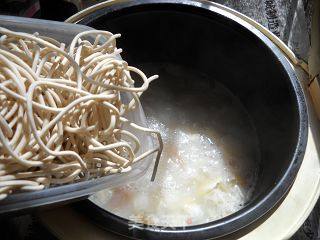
[62,113]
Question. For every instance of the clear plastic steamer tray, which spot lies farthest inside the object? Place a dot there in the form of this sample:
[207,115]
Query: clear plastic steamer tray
[65,32]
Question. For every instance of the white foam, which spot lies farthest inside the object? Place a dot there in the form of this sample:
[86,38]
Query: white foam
[193,185]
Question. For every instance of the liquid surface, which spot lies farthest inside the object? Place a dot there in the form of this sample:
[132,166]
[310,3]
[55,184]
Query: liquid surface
[208,166]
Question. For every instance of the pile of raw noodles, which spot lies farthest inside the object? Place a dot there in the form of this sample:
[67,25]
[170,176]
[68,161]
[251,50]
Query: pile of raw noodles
[62,112]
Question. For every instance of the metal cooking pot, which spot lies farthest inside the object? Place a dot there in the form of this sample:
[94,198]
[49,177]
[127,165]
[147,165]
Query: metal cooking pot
[196,35]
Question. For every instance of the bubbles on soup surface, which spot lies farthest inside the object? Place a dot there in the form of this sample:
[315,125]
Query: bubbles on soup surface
[211,151]
[193,184]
